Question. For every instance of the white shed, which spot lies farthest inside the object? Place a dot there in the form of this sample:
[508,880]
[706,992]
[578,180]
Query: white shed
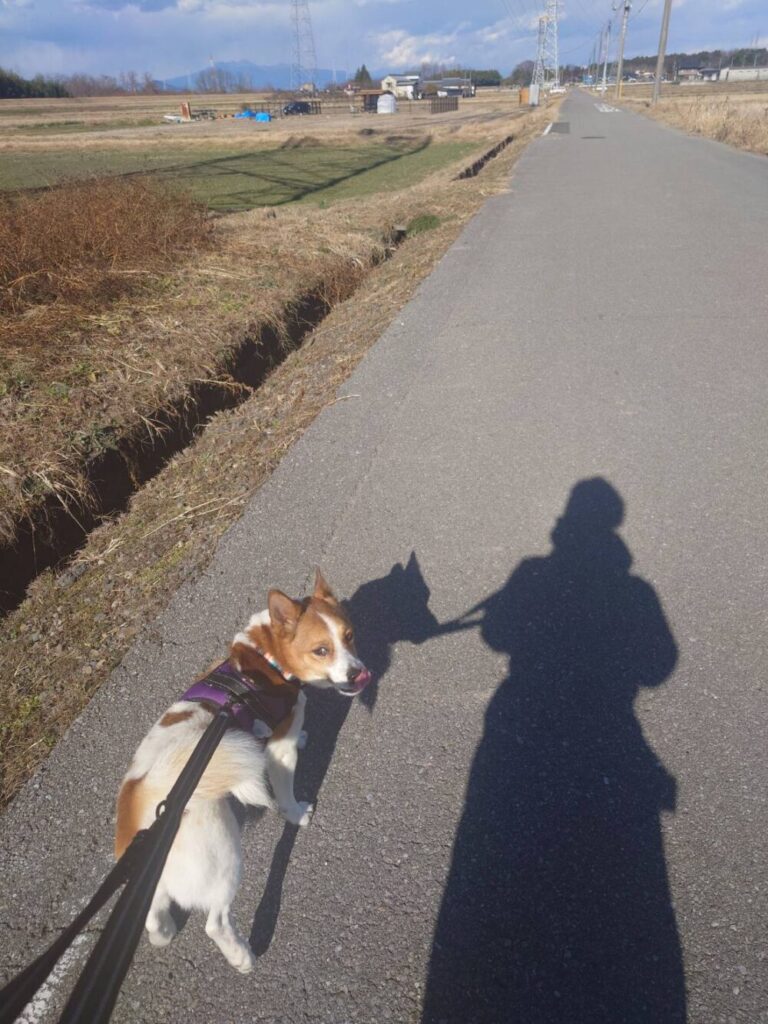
[386,104]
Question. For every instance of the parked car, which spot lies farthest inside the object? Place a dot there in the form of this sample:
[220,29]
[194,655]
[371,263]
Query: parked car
[297,107]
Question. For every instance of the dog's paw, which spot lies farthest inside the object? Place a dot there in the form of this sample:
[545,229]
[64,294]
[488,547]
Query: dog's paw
[301,740]
[163,935]
[243,960]
[299,815]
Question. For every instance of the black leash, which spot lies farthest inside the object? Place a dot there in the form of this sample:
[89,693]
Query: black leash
[139,869]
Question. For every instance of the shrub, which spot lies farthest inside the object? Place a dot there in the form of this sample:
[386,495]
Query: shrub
[88,242]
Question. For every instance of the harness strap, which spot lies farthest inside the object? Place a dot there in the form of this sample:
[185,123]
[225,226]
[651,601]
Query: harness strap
[256,694]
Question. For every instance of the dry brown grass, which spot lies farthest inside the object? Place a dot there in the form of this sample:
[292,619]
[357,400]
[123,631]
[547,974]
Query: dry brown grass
[78,378]
[85,244]
[738,119]
[131,565]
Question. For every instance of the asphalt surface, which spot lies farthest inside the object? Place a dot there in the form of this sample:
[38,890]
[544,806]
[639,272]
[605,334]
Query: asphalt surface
[558,814]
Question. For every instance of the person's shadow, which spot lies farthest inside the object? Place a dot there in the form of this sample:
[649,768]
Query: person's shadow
[557,907]
[384,612]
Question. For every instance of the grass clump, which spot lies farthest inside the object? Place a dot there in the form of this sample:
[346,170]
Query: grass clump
[87,243]
[424,222]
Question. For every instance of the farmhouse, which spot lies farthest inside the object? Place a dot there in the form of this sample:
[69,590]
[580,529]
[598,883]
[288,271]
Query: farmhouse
[449,87]
[689,69]
[403,87]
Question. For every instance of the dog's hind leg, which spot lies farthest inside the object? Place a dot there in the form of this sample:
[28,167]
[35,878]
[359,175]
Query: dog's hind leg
[160,923]
[236,950]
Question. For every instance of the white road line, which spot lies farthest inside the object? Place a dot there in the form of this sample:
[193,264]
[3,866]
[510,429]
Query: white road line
[548,129]
[604,108]
[36,1010]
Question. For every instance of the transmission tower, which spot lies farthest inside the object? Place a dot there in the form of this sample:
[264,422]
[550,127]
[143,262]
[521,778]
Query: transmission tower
[547,59]
[304,64]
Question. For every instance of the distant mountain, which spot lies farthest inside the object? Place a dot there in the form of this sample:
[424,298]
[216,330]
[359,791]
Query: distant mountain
[230,75]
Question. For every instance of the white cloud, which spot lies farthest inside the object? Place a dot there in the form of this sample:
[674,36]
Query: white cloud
[399,48]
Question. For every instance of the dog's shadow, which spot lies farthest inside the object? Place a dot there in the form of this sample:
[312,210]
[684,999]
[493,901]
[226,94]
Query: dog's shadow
[384,612]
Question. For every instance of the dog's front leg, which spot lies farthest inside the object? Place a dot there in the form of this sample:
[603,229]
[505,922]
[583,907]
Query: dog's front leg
[282,754]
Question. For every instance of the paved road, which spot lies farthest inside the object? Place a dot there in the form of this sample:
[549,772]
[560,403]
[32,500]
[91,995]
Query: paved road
[557,814]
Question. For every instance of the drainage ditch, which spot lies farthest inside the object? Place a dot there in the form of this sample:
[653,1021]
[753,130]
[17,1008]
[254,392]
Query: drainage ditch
[56,532]
[474,169]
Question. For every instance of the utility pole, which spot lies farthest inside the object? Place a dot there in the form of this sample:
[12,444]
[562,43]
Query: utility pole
[662,52]
[605,62]
[598,56]
[620,68]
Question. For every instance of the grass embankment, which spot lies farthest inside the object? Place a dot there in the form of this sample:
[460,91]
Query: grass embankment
[76,624]
[229,179]
[737,118]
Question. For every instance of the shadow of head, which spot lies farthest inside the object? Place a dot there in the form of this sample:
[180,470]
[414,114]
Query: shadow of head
[585,534]
[389,610]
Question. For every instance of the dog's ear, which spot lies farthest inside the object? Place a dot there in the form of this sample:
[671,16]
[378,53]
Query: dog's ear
[322,591]
[284,613]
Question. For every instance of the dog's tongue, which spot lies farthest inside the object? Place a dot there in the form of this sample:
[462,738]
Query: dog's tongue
[362,680]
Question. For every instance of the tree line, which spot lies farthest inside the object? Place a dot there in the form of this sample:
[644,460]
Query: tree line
[13,86]
[746,57]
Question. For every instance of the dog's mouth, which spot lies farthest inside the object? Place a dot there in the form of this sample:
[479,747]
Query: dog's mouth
[355,686]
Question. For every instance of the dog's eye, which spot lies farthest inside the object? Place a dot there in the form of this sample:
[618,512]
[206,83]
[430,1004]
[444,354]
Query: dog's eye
[348,638]
[321,652]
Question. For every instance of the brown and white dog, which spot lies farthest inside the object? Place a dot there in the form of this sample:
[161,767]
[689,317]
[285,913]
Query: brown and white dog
[289,644]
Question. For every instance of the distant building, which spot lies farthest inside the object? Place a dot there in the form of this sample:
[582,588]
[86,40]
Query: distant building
[689,70]
[449,87]
[403,87]
[744,74]
[368,99]
[386,104]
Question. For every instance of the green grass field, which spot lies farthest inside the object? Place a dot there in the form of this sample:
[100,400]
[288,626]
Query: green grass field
[79,127]
[228,180]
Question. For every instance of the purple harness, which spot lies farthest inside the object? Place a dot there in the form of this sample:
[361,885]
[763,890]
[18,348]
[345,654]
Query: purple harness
[256,697]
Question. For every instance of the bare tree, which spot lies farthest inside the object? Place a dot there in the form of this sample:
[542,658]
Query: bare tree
[148,85]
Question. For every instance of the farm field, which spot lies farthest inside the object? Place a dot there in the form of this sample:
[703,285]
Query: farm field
[233,165]
[229,179]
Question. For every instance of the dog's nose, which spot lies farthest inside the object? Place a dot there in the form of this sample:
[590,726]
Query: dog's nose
[352,674]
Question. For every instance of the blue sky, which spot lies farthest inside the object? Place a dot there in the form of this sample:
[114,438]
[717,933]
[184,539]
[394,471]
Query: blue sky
[170,37]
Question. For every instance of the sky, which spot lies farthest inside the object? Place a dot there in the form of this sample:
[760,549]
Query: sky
[171,37]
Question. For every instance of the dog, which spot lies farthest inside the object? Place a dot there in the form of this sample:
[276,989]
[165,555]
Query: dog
[290,644]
